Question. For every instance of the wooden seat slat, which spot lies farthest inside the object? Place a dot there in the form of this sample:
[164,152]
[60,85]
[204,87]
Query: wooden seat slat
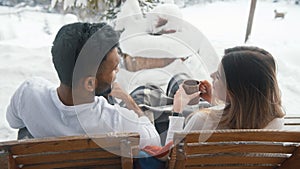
[58,157]
[229,167]
[113,150]
[62,144]
[295,121]
[240,148]
[112,163]
[241,135]
[234,160]
[255,148]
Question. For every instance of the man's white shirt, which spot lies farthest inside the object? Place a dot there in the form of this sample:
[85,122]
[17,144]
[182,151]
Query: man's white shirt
[36,105]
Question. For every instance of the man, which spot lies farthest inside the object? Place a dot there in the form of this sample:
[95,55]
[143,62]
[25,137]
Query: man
[86,60]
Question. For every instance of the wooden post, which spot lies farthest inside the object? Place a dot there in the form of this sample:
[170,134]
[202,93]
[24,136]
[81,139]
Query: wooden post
[250,19]
[126,154]
[293,161]
[4,159]
[7,161]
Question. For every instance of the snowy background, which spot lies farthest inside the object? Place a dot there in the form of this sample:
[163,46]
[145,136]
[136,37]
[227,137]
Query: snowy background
[26,36]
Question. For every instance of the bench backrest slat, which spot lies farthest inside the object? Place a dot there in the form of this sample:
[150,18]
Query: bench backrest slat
[248,148]
[108,163]
[71,151]
[232,167]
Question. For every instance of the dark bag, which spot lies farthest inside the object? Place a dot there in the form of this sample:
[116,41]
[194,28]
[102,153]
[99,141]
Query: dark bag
[174,83]
[152,98]
[150,95]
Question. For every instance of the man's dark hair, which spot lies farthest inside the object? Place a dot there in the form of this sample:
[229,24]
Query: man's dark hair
[70,41]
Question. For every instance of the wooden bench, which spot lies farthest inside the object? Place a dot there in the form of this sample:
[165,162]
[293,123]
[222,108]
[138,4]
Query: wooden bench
[236,149]
[292,122]
[100,151]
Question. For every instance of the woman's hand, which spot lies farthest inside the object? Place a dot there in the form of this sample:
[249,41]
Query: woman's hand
[181,99]
[205,90]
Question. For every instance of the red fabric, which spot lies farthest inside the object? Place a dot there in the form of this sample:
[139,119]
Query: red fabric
[157,151]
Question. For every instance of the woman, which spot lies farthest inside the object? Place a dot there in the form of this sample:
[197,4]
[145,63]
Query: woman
[244,95]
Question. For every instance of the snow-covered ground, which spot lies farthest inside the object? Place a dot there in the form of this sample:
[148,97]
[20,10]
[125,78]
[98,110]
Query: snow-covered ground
[26,36]
[224,24]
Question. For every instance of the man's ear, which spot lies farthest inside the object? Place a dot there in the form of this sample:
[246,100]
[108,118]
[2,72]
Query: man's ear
[90,84]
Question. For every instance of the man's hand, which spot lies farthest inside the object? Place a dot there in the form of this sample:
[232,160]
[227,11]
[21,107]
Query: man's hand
[119,93]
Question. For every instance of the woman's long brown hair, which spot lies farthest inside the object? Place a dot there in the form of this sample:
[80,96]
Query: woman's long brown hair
[252,89]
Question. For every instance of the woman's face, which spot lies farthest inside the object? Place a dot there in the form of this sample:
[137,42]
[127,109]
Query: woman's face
[219,84]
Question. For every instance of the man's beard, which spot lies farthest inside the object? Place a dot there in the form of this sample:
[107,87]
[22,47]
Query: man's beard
[104,93]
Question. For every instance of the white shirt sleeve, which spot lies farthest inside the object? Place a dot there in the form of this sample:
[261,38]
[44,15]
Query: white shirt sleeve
[130,122]
[175,125]
[199,121]
[13,114]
